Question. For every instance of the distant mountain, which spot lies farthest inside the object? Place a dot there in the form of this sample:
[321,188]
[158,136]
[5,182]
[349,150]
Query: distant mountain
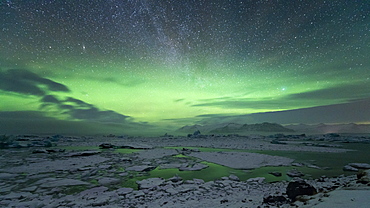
[261,127]
[191,129]
[230,128]
[331,128]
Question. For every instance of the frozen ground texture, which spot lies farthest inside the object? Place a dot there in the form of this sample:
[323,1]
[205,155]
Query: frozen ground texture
[82,178]
[242,160]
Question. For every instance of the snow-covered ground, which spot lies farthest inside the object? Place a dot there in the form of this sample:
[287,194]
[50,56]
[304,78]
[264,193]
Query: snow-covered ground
[53,177]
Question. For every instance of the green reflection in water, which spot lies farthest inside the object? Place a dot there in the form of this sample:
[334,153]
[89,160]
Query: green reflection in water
[212,172]
[331,164]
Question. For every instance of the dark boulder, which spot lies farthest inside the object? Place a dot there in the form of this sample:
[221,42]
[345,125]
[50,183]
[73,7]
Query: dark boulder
[36,151]
[275,200]
[106,146]
[224,201]
[196,133]
[277,174]
[298,188]
[55,150]
[363,177]
[275,141]
[84,153]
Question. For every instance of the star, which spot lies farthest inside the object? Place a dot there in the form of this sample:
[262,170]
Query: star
[174,63]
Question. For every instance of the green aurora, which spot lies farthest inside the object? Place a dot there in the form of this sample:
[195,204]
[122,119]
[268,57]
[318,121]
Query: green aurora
[148,67]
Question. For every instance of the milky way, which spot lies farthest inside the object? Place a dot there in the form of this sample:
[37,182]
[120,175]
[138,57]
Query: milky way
[133,64]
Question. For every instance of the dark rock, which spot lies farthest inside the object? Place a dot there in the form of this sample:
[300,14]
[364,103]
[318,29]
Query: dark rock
[224,201]
[187,150]
[84,153]
[136,146]
[37,151]
[277,174]
[47,144]
[275,141]
[22,139]
[363,177]
[84,168]
[55,150]
[322,179]
[332,135]
[275,200]
[299,187]
[196,133]
[4,145]
[125,159]
[106,146]
[294,173]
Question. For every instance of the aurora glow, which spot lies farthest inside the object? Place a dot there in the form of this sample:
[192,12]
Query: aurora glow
[126,66]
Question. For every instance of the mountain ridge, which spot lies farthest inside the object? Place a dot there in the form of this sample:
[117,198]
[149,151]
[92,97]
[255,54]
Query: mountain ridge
[235,128]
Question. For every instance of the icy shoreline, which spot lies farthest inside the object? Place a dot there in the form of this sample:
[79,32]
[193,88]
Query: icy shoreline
[50,177]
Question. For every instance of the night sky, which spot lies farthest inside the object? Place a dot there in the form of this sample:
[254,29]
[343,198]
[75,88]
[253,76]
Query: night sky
[151,66]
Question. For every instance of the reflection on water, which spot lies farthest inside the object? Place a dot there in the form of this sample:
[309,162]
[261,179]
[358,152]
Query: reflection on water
[330,164]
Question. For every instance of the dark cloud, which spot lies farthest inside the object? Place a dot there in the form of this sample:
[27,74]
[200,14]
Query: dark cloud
[78,103]
[94,114]
[348,92]
[249,103]
[179,100]
[344,93]
[35,122]
[25,82]
[352,112]
[85,111]
[80,110]
[211,115]
[66,107]
[49,99]
[28,83]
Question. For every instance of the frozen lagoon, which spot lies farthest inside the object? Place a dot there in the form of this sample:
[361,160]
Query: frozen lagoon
[177,171]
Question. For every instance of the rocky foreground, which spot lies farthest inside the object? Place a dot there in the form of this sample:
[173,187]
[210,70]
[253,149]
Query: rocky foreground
[47,172]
